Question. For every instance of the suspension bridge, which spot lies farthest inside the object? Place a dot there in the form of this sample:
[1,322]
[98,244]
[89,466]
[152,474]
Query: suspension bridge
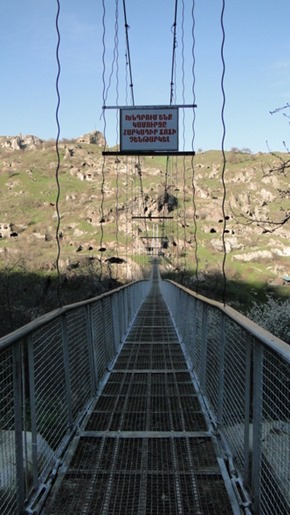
[147,399]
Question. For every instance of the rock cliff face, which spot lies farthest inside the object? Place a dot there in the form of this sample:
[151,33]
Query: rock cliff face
[28,142]
[103,204]
[92,138]
[20,142]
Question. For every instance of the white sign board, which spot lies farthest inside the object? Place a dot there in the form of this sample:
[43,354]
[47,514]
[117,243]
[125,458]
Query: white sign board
[149,129]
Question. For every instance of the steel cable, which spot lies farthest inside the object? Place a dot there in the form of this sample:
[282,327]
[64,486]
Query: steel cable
[171,97]
[174,45]
[127,178]
[57,234]
[128,53]
[175,162]
[192,147]
[115,54]
[183,136]
[116,59]
[102,220]
[223,151]
[131,86]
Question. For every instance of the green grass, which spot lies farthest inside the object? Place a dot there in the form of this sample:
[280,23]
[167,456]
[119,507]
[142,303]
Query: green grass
[28,202]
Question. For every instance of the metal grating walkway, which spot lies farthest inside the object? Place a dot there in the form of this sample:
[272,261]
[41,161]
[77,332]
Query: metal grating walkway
[147,447]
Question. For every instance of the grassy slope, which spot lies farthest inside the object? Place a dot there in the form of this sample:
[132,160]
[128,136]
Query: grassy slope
[29,190]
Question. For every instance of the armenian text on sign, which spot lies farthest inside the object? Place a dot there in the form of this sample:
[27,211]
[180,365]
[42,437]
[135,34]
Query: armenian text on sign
[149,129]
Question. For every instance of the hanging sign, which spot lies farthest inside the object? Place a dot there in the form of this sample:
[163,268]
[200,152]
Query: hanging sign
[149,129]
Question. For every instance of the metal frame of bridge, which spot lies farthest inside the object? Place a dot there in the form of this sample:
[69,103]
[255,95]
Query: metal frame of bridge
[147,399]
[147,446]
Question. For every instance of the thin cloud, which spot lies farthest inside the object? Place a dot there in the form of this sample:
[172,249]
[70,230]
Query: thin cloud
[282,65]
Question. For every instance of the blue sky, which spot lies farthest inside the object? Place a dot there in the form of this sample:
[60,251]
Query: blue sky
[257,79]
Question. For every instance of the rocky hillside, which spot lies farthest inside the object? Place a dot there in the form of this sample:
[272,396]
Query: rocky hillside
[102,201]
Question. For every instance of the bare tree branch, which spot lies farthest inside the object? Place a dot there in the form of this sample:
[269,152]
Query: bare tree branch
[253,220]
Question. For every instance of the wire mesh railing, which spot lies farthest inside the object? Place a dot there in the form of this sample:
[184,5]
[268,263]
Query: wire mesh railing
[243,374]
[50,371]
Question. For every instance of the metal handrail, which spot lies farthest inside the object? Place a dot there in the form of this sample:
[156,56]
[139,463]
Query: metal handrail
[50,372]
[269,339]
[38,322]
[243,374]
[51,369]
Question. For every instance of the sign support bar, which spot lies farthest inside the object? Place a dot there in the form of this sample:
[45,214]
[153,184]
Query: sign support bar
[152,217]
[181,106]
[163,153]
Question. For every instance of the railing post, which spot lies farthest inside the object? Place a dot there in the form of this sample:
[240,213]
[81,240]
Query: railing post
[248,397]
[67,371]
[125,311]
[17,390]
[221,373]
[33,411]
[106,352]
[203,346]
[177,302]
[191,334]
[257,425]
[92,357]
[116,319]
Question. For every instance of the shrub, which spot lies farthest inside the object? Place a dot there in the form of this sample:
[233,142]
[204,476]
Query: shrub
[273,315]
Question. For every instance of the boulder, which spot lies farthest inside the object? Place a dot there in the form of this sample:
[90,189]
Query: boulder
[92,138]
[20,142]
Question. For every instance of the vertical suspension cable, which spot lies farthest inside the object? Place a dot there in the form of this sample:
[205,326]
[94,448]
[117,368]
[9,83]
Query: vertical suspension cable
[174,45]
[223,150]
[57,234]
[116,56]
[139,203]
[175,162]
[183,136]
[127,177]
[138,165]
[171,96]
[105,97]
[101,248]
[128,53]
[127,217]
[192,147]
[131,225]
[134,198]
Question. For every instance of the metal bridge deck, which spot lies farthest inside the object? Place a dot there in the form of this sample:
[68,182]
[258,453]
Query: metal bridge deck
[146,447]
